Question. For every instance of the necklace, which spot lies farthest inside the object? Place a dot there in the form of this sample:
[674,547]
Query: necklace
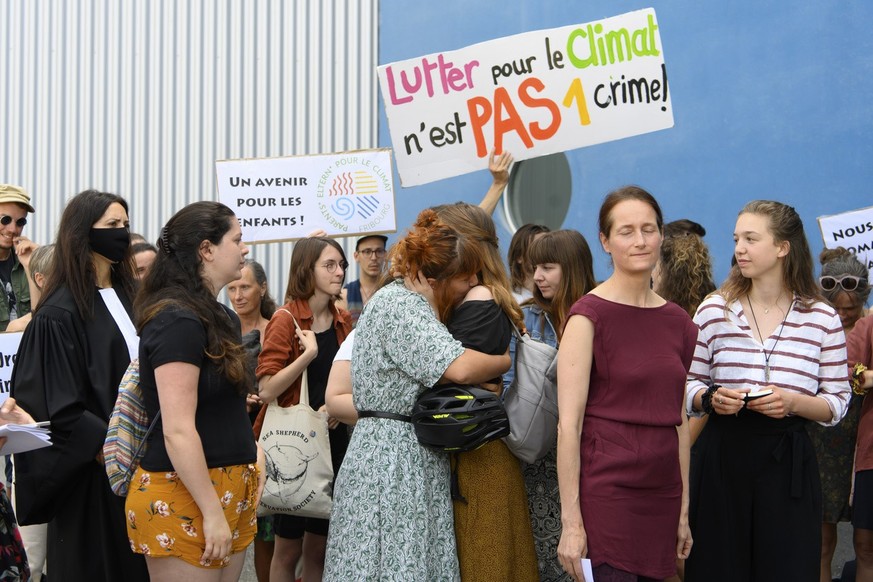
[767,309]
[778,337]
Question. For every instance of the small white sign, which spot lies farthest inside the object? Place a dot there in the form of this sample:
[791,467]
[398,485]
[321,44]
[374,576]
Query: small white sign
[277,199]
[9,343]
[850,230]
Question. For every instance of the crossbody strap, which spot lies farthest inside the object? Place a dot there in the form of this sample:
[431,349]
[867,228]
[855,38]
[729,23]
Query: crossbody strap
[381,414]
[140,450]
[304,377]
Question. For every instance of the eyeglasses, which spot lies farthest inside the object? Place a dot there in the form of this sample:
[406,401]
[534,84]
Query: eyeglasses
[847,282]
[5,219]
[370,252]
[332,265]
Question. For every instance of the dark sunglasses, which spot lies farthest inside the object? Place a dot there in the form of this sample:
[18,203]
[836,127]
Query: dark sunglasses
[6,219]
[847,282]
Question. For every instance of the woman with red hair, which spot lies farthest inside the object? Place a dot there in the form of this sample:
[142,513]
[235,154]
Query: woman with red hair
[392,513]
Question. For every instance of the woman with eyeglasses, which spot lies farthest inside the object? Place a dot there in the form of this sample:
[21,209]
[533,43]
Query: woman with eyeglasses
[315,279]
[843,283]
[770,357]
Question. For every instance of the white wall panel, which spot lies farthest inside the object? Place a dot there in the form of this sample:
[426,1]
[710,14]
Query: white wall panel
[140,98]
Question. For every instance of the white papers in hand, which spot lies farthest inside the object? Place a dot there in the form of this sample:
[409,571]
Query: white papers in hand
[587,571]
[24,437]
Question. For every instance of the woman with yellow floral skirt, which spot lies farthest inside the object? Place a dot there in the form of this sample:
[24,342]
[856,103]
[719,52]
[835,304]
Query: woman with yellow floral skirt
[492,523]
[192,502]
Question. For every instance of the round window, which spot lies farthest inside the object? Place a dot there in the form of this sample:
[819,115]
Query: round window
[539,192]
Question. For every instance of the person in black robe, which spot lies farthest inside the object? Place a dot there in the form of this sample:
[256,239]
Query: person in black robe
[71,359]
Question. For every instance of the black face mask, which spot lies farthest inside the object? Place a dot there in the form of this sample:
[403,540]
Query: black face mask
[112,243]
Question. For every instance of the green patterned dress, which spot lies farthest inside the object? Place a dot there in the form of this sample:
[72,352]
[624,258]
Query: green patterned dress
[392,513]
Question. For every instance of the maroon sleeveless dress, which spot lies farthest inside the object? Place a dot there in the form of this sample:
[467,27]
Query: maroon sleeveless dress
[630,482]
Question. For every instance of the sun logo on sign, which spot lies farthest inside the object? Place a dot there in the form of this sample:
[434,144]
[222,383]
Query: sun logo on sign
[354,194]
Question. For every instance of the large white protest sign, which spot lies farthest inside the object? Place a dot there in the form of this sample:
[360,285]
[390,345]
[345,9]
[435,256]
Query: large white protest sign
[8,349]
[287,198]
[851,230]
[532,94]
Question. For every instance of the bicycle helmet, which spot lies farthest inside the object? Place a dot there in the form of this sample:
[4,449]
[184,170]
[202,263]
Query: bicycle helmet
[453,418]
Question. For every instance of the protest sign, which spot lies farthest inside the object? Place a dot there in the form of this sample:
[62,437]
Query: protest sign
[532,94]
[8,349]
[851,230]
[286,198]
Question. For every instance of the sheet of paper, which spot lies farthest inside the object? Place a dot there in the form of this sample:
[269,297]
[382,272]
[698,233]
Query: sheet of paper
[587,572]
[24,437]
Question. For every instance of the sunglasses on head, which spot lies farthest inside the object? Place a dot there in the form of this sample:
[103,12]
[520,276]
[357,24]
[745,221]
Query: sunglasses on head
[847,282]
[6,219]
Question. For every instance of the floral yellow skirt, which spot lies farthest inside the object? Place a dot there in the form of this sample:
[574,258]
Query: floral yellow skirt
[164,520]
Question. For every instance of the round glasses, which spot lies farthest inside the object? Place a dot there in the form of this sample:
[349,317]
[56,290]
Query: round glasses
[5,219]
[332,265]
[847,282]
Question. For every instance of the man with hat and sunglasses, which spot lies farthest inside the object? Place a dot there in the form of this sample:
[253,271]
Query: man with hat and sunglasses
[15,300]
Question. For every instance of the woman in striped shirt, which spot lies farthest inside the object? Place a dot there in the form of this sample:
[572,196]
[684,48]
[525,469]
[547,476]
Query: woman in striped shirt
[771,355]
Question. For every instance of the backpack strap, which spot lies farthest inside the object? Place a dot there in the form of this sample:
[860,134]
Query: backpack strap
[140,450]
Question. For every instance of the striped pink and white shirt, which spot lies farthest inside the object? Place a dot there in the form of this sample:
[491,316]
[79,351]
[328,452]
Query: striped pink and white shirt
[809,357]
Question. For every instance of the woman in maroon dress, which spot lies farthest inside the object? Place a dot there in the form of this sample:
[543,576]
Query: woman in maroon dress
[623,444]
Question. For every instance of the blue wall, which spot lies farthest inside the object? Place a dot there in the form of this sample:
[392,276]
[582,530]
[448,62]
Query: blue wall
[770,100]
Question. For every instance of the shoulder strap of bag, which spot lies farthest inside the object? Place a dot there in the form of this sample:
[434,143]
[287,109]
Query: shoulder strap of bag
[304,378]
[515,329]
[133,384]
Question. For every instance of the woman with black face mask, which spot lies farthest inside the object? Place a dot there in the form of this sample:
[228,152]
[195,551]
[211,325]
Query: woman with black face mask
[72,357]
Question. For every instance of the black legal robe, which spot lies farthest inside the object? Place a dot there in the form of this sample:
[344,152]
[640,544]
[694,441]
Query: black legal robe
[67,371]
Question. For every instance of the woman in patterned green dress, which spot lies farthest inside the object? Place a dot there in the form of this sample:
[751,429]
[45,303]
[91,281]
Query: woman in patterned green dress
[392,514]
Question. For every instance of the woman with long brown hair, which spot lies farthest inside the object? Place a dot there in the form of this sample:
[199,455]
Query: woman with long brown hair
[72,357]
[315,279]
[520,272]
[771,356]
[492,524]
[392,513]
[563,272]
[191,505]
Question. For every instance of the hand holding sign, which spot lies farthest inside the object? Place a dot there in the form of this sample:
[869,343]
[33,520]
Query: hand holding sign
[293,197]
